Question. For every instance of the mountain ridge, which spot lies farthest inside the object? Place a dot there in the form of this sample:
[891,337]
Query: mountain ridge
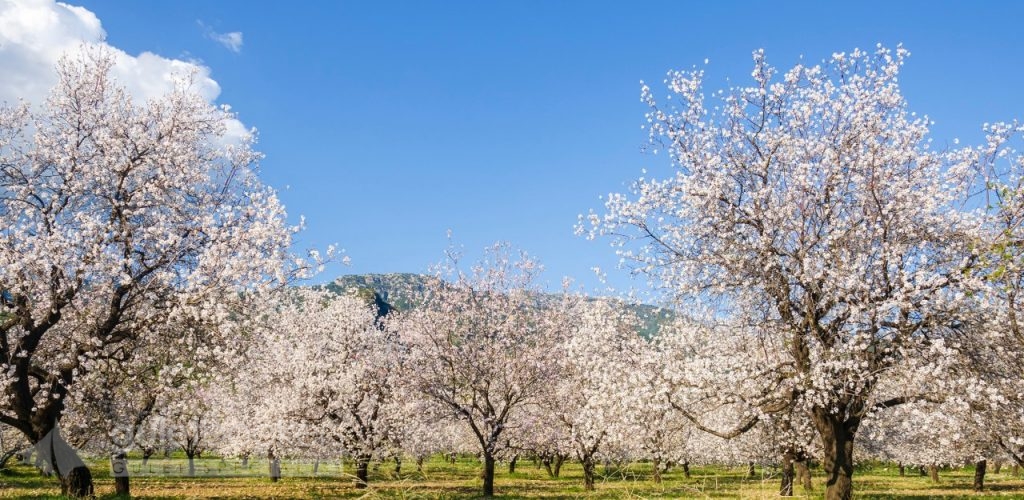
[403,291]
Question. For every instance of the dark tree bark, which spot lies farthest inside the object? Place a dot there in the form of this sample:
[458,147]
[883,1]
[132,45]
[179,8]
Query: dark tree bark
[686,470]
[588,473]
[903,470]
[419,464]
[788,473]
[362,471]
[837,435]
[512,464]
[488,475]
[553,464]
[979,475]
[119,469]
[751,473]
[398,467]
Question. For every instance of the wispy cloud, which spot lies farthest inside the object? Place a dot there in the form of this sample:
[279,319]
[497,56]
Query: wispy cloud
[231,40]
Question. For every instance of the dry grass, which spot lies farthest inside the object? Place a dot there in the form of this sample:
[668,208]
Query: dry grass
[442,481]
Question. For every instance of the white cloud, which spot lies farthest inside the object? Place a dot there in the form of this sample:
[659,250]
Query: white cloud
[34,34]
[231,41]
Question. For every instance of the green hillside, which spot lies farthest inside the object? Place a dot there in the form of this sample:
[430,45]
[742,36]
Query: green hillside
[404,291]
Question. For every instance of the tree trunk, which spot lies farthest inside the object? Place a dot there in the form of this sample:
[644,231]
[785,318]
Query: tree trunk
[119,469]
[656,473]
[803,474]
[837,437]
[788,474]
[588,473]
[979,475]
[75,477]
[559,460]
[686,470]
[903,470]
[997,466]
[191,464]
[275,466]
[419,464]
[316,467]
[245,461]
[933,471]
[488,475]
[398,467]
[362,472]
[512,464]
[751,473]
[923,471]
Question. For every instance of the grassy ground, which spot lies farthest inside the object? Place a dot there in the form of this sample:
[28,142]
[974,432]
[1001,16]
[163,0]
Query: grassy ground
[443,480]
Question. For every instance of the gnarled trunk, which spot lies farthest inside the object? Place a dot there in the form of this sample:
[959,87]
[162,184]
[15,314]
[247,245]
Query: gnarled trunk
[788,474]
[837,437]
[979,475]
[588,473]
[512,464]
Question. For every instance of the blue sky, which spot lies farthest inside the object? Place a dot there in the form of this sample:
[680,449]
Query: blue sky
[391,123]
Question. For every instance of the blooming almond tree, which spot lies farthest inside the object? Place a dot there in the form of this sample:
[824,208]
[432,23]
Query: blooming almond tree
[479,348]
[333,369]
[116,215]
[997,352]
[598,348]
[812,206]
